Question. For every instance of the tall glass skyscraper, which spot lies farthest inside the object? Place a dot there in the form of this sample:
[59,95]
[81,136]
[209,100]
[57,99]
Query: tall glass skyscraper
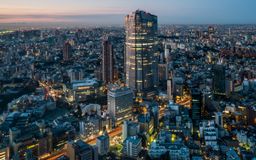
[219,80]
[140,56]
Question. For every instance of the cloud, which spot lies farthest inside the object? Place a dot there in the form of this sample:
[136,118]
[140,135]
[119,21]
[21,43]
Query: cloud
[86,19]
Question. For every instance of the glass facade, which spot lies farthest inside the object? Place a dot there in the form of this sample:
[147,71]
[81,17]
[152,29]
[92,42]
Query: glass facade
[219,82]
[120,102]
[140,58]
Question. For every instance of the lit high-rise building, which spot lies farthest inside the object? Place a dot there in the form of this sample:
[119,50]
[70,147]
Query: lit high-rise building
[107,61]
[140,58]
[120,102]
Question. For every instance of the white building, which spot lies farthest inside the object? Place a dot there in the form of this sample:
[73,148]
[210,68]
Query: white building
[169,89]
[132,146]
[120,102]
[209,133]
[90,109]
[219,119]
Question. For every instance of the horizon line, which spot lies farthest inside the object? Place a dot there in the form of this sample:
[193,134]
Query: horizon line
[96,18]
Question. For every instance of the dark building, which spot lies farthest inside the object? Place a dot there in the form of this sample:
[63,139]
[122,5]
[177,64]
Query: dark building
[28,142]
[211,30]
[251,117]
[196,107]
[141,56]
[219,80]
[67,50]
[60,135]
[163,72]
[155,115]
[107,61]
[80,151]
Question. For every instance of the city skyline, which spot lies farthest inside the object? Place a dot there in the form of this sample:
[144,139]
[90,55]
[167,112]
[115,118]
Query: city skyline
[75,85]
[88,11]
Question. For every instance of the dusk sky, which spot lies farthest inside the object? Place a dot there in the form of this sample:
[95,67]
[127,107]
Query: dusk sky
[112,11]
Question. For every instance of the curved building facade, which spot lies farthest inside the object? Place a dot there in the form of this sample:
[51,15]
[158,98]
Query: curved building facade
[141,56]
